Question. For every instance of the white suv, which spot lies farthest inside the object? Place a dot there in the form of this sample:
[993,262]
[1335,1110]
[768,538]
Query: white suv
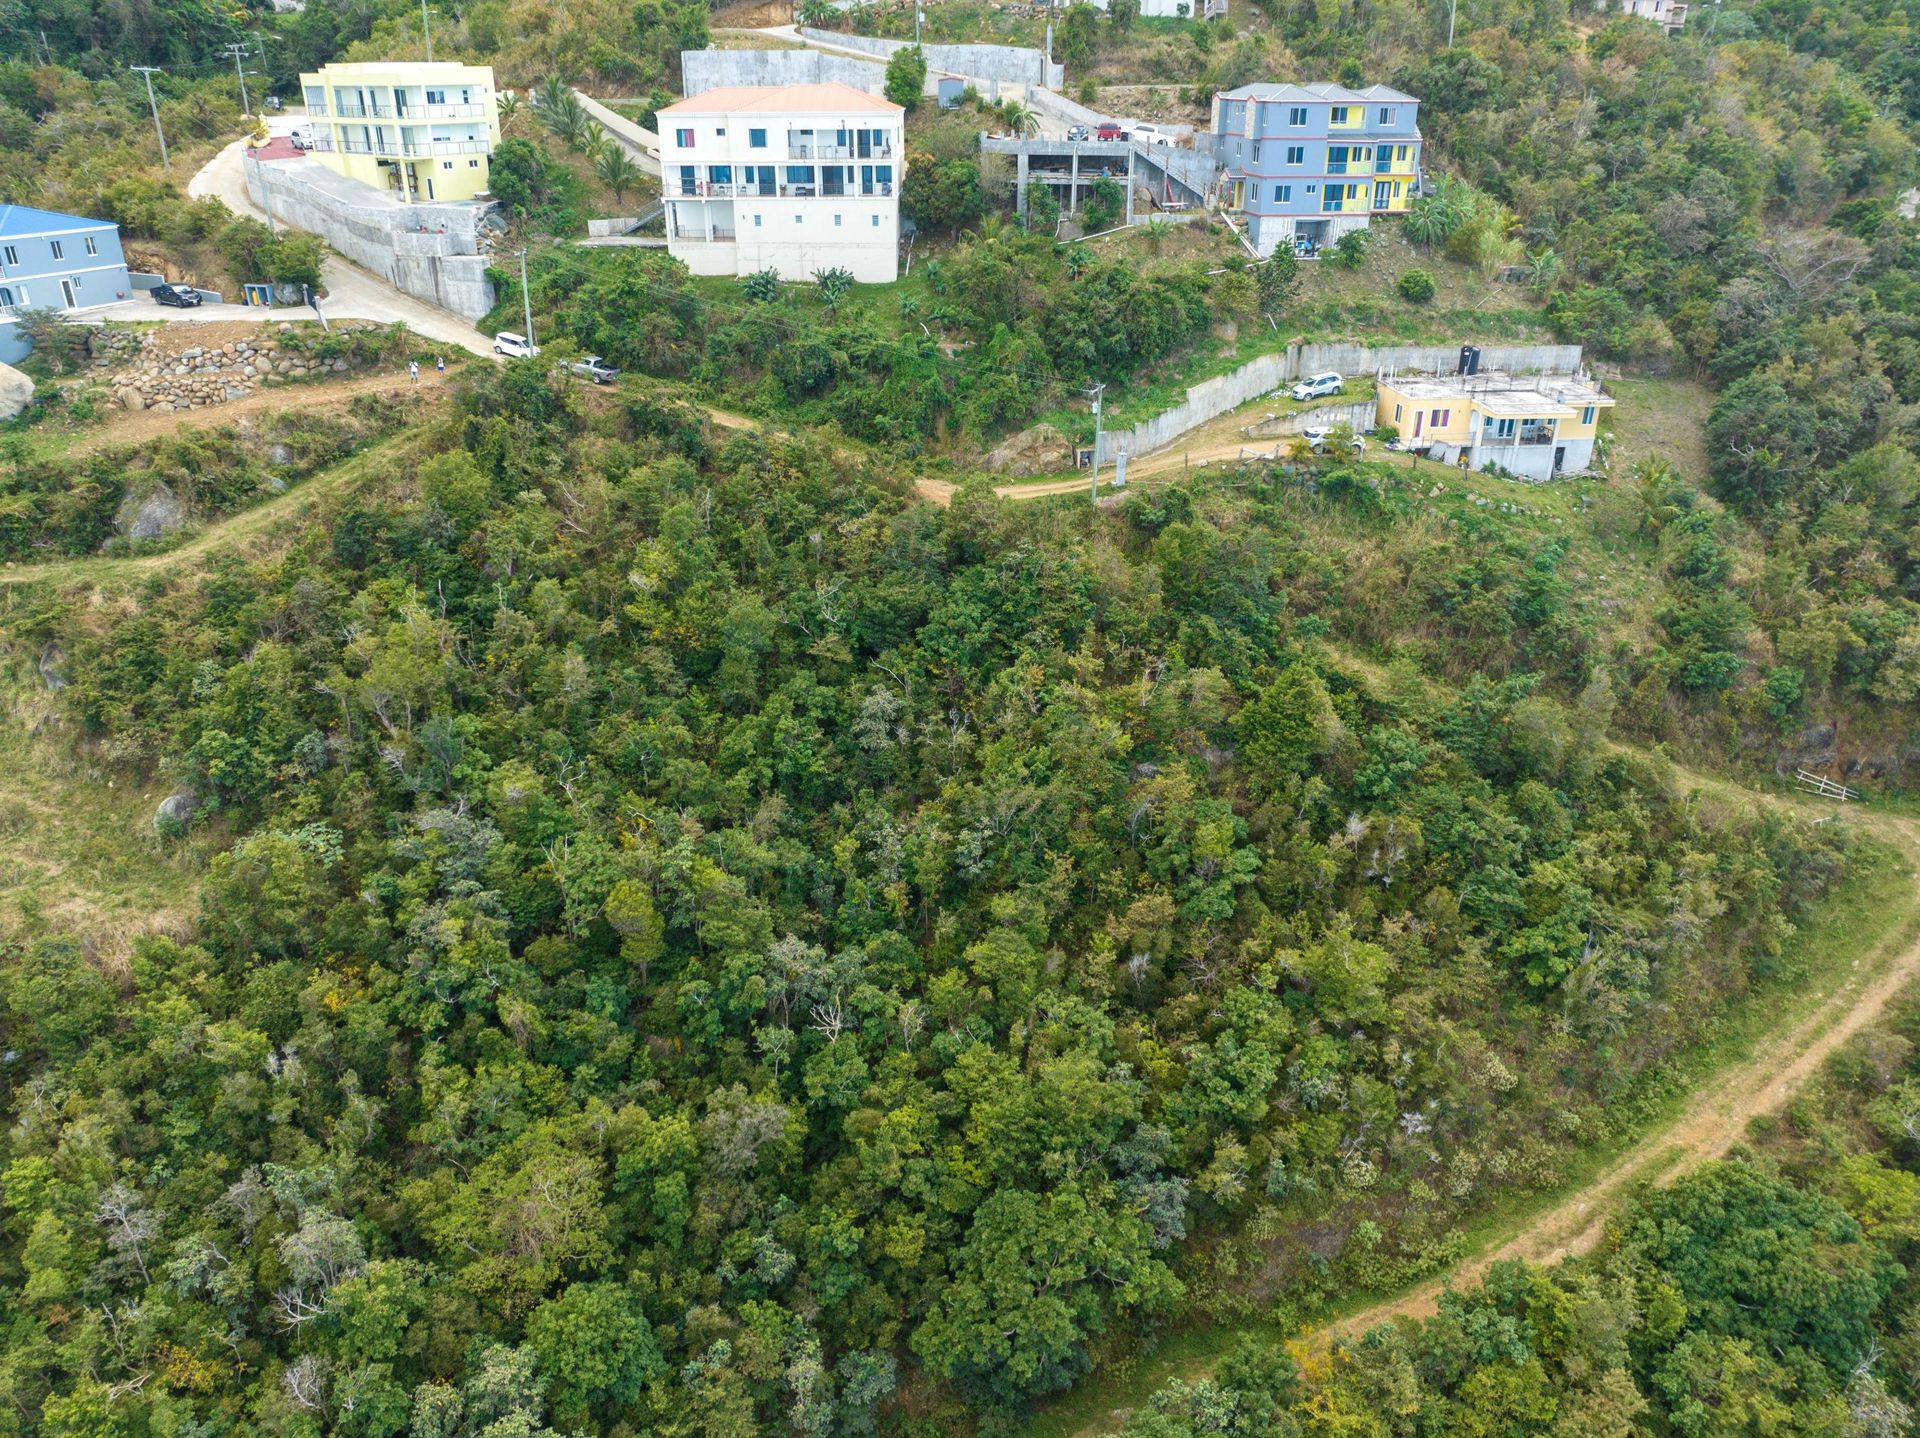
[514,346]
[1316,385]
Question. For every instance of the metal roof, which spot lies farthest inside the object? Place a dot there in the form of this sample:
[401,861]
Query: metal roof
[1318,94]
[24,220]
[827,98]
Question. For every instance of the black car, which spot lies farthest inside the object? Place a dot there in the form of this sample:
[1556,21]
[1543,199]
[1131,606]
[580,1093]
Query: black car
[179,296]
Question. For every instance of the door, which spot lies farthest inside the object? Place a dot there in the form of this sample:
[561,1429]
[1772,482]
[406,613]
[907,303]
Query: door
[1382,194]
[430,187]
[1418,415]
[1559,458]
[68,302]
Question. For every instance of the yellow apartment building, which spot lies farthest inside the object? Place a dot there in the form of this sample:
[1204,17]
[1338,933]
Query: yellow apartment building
[1531,426]
[422,129]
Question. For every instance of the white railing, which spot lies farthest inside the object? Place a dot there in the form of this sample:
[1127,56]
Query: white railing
[404,150]
[726,190]
[796,151]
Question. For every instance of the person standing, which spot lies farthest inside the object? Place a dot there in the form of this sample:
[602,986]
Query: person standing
[413,370]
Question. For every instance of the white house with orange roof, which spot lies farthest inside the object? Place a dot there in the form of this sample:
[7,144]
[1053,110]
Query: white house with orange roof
[791,178]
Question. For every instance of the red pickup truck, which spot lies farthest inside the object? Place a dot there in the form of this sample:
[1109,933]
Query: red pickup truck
[1111,130]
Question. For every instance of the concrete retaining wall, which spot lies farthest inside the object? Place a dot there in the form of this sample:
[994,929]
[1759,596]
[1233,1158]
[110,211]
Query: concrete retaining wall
[1051,102]
[1009,64]
[442,265]
[1358,416]
[1215,397]
[704,70]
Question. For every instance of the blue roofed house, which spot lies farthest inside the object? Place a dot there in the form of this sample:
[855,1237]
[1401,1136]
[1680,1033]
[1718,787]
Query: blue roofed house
[50,261]
[1310,162]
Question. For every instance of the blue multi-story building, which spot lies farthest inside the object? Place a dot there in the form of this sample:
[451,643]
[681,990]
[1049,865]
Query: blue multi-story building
[50,261]
[1310,162]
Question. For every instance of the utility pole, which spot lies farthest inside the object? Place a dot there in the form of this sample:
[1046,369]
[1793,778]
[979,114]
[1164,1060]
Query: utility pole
[1096,392]
[1453,14]
[526,300]
[428,29]
[261,41]
[918,16]
[147,72]
[239,51]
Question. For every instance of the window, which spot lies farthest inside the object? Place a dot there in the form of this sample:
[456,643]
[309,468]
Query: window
[1504,429]
[1386,115]
[12,255]
[446,164]
[757,139]
[796,219]
[1439,417]
[1297,115]
[683,138]
[1339,116]
[92,248]
[1313,189]
[876,222]
[1283,193]
[836,222]
[1586,415]
[473,164]
[721,131]
[1396,414]
[436,97]
[59,250]
[756,222]
[1296,154]
[1256,152]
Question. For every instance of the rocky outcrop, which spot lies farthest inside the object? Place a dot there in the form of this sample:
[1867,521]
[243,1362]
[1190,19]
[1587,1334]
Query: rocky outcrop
[175,810]
[1032,451]
[16,391]
[151,514]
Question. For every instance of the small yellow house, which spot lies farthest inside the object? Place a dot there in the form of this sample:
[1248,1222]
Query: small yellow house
[423,129]
[1531,426]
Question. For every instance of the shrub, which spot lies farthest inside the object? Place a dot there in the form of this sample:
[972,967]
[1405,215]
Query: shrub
[1416,287]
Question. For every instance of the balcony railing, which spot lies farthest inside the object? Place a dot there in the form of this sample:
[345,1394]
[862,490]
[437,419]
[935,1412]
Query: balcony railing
[702,237]
[316,107]
[363,112]
[839,152]
[753,190]
[439,111]
[404,150]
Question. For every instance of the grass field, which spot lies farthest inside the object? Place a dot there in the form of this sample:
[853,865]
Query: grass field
[78,850]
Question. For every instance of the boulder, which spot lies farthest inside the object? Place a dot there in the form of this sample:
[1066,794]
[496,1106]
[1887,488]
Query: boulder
[131,398]
[153,515]
[176,808]
[16,391]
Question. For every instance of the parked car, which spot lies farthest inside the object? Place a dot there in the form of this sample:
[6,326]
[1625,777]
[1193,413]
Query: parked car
[1154,135]
[1317,436]
[1111,130]
[272,102]
[179,296]
[1316,385]
[596,369]
[514,346]
[301,139]
[1077,133]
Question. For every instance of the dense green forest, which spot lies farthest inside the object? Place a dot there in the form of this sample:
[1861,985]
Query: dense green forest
[711,943]
[701,943]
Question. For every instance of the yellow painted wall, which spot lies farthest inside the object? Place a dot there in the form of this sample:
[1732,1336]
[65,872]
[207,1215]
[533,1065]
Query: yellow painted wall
[1397,410]
[1574,429]
[453,178]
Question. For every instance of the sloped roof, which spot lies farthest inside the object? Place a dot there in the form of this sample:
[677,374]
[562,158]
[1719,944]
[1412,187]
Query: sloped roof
[25,220]
[1319,94]
[830,97]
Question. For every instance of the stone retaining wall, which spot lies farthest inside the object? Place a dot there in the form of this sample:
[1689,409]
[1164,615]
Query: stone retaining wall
[201,376]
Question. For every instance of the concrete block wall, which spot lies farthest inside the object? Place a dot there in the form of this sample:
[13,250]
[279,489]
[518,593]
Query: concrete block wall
[430,251]
[1009,64]
[1212,398]
[704,70]
[1357,415]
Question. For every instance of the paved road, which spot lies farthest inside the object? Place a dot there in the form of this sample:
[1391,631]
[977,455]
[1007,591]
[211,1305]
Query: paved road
[351,292]
[642,145]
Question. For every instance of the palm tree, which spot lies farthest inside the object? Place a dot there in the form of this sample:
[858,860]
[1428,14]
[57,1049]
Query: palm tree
[1544,268]
[616,171]
[1020,118]
[594,139]
[550,96]
[508,104]
[992,230]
